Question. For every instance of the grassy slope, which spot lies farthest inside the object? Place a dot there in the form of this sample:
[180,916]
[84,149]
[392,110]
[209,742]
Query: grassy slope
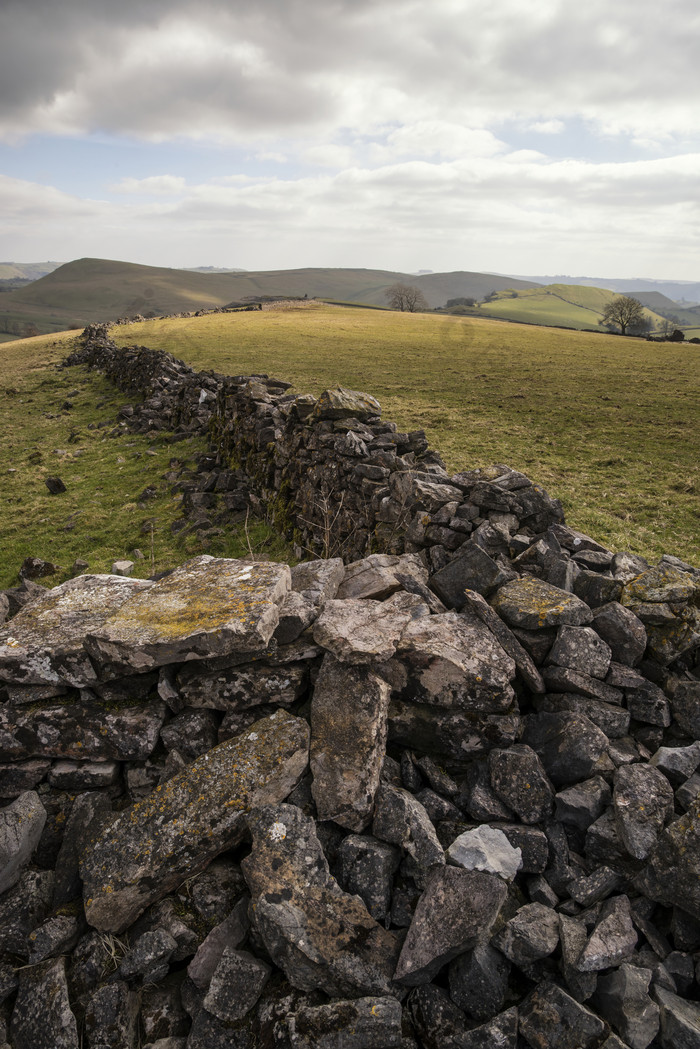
[100,517]
[567,305]
[99,289]
[609,425]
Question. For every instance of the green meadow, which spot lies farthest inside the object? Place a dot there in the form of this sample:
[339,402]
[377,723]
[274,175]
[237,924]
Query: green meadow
[610,426]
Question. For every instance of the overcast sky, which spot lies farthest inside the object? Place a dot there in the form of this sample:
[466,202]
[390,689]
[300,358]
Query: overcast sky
[547,136]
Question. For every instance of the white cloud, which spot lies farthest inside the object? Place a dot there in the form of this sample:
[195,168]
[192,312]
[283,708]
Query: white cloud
[547,127]
[154,186]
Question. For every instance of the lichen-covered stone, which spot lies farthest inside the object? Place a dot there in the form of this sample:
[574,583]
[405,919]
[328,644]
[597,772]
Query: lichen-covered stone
[43,644]
[365,631]
[532,604]
[456,912]
[178,829]
[672,872]
[340,403]
[21,824]
[349,713]
[241,687]
[453,660]
[360,1023]
[643,804]
[456,735]
[42,1016]
[207,607]
[321,937]
[552,1019]
[376,576]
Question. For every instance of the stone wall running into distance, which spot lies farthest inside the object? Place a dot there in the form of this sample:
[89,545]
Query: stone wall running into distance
[436,788]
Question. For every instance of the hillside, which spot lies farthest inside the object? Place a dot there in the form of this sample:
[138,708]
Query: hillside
[27,270]
[565,305]
[677,290]
[99,289]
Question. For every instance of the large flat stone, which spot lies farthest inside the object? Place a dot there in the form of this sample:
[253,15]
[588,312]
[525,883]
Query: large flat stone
[209,607]
[177,830]
[532,604]
[43,644]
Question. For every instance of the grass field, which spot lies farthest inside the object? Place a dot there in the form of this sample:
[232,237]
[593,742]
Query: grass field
[567,305]
[611,426]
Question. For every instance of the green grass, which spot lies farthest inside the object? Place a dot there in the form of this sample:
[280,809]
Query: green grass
[566,305]
[609,425]
[100,517]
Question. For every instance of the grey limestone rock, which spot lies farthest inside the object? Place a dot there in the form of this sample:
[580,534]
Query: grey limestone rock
[349,712]
[507,640]
[366,867]
[519,779]
[43,644]
[21,824]
[677,763]
[531,934]
[400,819]
[318,581]
[84,775]
[42,1016]
[455,912]
[359,1023]
[472,569]
[643,802]
[148,958]
[454,660]
[449,734]
[478,981]
[549,1018]
[532,604]
[364,631]
[236,984]
[623,1000]
[178,829]
[613,938]
[241,687]
[582,649]
[485,849]
[321,937]
[672,870]
[230,932]
[569,745]
[297,612]
[572,938]
[582,803]
[207,607]
[111,1017]
[623,631]
[23,908]
[376,576]
[57,935]
[679,1021]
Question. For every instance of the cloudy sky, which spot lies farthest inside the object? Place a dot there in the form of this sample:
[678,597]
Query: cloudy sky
[547,136]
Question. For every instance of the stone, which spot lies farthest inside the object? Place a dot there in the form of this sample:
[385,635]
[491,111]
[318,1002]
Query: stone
[472,569]
[400,819]
[622,999]
[349,713]
[506,639]
[361,1023]
[321,937]
[111,1017]
[376,576]
[581,649]
[90,812]
[549,1018]
[456,911]
[124,568]
[679,1021]
[453,660]
[568,745]
[685,703]
[519,779]
[43,644]
[21,824]
[643,802]
[365,868]
[364,631]
[208,607]
[532,604]
[22,908]
[437,1021]
[231,932]
[613,721]
[485,849]
[532,934]
[162,1015]
[677,763]
[35,568]
[21,776]
[340,403]
[449,734]
[594,887]
[42,1016]
[55,485]
[148,958]
[236,984]
[57,935]
[241,687]
[191,733]
[478,981]
[672,869]
[177,830]
[622,630]
[561,679]
[572,938]
[613,938]
[83,775]
[297,613]
[72,730]
[318,581]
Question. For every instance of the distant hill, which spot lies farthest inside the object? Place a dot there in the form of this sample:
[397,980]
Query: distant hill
[565,305]
[100,289]
[30,270]
[679,291]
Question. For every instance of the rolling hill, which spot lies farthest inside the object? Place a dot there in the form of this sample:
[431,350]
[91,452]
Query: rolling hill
[99,289]
[558,305]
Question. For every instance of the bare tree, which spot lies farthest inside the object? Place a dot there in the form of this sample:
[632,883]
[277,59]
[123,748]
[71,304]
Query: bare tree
[406,298]
[625,313]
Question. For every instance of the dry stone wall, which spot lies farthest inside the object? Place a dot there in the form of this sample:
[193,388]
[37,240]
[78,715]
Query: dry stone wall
[442,795]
